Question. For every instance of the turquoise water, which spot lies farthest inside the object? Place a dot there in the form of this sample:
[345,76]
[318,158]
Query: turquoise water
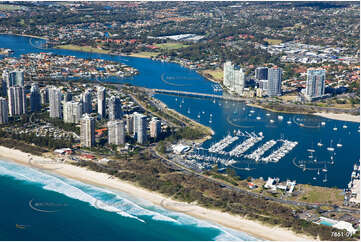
[324,222]
[230,116]
[84,212]
[55,208]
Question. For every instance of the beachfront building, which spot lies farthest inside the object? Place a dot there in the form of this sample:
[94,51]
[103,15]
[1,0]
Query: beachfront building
[44,96]
[274,81]
[315,84]
[140,127]
[87,101]
[115,108]
[130,124]
[54,102]
[87,131]
[116,132]
[155,127]
[13,78]
[72,112]
[35,98]
[3,111]
[233,78]
[17,101]
[101,96]
[227,73]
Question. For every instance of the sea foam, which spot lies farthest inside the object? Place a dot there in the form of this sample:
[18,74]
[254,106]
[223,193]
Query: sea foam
[112,201]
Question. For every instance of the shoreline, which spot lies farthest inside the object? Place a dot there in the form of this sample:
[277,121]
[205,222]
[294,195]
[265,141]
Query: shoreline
[235,222]
[26,35]
[339,116]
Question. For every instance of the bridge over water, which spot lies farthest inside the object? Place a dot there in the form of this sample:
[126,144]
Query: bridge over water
[197,94]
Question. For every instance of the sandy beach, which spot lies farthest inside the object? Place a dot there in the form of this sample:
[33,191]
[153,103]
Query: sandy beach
[340,116]
[250,227]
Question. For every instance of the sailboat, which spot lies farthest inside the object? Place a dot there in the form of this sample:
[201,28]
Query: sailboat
[339,144]
[188,111]
[319,144]
[199,115]
[324,169]
[330,148]
[318,172]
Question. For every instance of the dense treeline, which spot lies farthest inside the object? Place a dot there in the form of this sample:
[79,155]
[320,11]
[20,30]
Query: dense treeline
[154,175]
[47,141]
[20,145]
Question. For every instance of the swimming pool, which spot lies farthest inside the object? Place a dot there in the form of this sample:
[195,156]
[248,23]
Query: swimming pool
[327,222]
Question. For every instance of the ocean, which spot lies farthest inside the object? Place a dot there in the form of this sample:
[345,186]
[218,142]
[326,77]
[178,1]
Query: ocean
[36,205]
[40,206]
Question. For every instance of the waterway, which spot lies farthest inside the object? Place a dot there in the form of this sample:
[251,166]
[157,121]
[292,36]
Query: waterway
[225,117]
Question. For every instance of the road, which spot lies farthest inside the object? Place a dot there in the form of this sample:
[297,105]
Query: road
[257,195]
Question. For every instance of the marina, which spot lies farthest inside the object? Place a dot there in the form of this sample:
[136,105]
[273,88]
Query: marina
[222,144]
[244,146]
[256,155]
[304,129]
[286,147]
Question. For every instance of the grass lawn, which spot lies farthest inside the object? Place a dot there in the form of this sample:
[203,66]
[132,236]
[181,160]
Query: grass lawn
[216,74]
[82,48]
[171,45]
[144,54]
[289,97]
[273,41]
[315,194]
